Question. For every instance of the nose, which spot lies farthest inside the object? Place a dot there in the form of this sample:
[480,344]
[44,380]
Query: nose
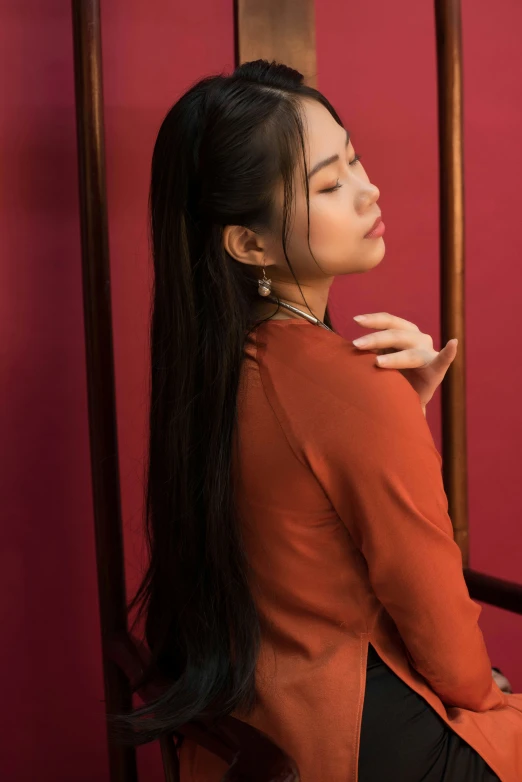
[368,195]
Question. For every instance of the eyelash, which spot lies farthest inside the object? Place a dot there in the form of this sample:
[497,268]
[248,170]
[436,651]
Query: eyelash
[337,186]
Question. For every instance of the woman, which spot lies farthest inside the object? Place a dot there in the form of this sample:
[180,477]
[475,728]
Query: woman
[303,573]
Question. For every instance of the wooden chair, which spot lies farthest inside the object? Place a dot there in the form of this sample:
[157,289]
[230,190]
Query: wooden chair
[252,756]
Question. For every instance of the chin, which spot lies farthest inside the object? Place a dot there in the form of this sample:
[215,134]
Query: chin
[376,255]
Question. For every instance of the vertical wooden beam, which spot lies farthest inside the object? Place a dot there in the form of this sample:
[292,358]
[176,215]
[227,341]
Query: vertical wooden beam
[281,30]
[452,262]
[100,363]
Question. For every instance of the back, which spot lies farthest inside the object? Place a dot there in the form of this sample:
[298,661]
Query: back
[307,574]
[344,518]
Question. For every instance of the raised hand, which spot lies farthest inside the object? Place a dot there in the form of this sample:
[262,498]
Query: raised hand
[401,345]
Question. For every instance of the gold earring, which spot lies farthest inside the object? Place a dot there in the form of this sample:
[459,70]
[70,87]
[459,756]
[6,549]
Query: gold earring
[264,285]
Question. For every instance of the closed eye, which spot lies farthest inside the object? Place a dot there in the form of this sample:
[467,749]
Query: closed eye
[338,184]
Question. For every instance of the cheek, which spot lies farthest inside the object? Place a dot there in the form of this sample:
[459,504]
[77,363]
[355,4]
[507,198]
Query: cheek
[333,223]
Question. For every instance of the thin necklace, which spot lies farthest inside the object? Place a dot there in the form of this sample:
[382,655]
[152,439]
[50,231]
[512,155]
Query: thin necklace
[311,318]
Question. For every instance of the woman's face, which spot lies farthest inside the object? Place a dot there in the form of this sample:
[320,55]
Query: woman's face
[343,208]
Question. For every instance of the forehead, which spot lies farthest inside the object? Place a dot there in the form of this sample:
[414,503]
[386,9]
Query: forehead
[324,136]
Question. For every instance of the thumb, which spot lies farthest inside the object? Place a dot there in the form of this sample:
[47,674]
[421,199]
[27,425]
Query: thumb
[445,356]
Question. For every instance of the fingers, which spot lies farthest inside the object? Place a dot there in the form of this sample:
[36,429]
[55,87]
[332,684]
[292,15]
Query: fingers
[416,358]
[406,359]
[403,343]
[395,338]
[383,320]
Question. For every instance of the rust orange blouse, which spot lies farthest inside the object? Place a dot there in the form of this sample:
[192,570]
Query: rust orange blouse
[345,521]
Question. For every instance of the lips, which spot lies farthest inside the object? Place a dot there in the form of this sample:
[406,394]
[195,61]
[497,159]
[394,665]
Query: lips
[376,223]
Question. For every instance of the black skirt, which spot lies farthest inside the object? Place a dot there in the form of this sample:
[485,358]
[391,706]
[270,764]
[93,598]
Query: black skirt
[404,740]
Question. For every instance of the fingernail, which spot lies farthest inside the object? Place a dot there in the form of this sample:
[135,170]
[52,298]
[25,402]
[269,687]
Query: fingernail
[381,359]
[360,317]
[361,341]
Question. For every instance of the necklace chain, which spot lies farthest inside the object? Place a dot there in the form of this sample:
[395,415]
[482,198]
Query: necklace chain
[311,318]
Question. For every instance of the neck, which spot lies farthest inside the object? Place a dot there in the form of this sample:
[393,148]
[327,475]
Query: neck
[293,312]
[267,306]
[310,296]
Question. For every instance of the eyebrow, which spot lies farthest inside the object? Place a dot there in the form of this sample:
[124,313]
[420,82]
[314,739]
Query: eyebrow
[327,161]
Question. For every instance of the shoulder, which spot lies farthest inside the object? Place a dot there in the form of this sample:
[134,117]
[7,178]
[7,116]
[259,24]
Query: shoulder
[310,366]
[332,398]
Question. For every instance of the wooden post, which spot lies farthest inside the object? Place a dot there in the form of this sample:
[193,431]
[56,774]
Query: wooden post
[452,263]
[100,363]
[281,30]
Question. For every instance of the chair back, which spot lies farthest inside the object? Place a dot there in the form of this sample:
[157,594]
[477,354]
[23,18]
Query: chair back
[251,754]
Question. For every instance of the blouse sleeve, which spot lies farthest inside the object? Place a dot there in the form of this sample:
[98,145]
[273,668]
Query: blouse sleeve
[371,448]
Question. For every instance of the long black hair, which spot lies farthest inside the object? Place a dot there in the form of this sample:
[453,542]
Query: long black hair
[220,153]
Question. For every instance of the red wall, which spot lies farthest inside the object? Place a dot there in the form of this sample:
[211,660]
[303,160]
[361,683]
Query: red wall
[377,65]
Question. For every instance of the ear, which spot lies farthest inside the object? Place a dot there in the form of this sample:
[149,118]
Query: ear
[244,245]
